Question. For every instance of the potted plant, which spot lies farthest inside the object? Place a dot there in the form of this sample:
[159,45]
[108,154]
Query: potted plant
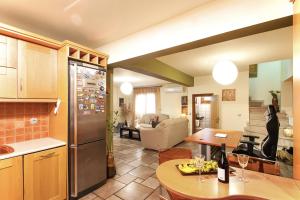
[275,99]
[111,125]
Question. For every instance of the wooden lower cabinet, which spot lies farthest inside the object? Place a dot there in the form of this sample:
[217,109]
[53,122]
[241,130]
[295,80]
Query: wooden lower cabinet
[11,178]
[45,175]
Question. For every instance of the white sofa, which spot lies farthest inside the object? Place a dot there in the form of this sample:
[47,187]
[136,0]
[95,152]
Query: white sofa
[165,135]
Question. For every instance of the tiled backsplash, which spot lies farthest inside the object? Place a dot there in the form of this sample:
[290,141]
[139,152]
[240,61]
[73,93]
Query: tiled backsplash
[15,123]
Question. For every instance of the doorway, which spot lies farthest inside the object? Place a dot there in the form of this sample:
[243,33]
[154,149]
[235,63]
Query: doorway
[205,111]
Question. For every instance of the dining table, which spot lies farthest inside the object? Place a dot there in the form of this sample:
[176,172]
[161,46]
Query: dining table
[209,137]
[258,185]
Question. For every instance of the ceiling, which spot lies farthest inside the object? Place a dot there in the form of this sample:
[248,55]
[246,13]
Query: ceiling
[90,22]
[136,79]
[263,47]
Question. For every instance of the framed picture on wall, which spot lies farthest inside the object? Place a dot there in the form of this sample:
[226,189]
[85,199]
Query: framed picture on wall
[184,100]
[121,102]
[228,95]
[253,71]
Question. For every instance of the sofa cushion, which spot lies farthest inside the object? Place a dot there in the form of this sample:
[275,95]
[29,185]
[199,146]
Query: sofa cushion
[169,122]
[162,117]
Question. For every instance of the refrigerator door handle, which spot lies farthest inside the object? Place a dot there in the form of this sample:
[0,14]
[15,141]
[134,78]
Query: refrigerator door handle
[74,178]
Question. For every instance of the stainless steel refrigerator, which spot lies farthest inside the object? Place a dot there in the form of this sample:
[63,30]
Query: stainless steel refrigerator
[87,127]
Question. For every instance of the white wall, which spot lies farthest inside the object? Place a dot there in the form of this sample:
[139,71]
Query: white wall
[233,115]
[287,97]
[127,99]
[268,78]
[212,18]
[171,102]
[286,69]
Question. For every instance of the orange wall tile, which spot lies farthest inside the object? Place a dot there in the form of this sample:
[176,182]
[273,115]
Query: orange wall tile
[15,123]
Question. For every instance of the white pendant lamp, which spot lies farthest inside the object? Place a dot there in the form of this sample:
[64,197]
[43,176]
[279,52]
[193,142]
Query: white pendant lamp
[225,72]
[126,88]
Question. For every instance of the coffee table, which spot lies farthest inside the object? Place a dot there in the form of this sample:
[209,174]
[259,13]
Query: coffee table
[132,131]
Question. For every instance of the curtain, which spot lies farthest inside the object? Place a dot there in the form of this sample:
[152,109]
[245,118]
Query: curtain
[145,100]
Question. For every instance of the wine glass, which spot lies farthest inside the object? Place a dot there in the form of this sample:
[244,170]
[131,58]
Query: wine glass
[199,162]
[243,161]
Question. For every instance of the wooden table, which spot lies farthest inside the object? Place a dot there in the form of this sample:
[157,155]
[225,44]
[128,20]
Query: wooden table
[207,138]
[260,185]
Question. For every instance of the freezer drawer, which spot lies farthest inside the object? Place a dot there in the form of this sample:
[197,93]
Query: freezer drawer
[87,166]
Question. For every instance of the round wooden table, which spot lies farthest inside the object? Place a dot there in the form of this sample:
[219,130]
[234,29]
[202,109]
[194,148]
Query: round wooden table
[259,185]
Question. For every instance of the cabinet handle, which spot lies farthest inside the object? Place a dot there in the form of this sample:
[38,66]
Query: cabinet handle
[21,85]
[49,155]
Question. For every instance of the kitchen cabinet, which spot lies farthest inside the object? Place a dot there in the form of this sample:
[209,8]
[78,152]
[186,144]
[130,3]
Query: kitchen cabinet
[8,67]
[37,71]
[11,178]
[45,175]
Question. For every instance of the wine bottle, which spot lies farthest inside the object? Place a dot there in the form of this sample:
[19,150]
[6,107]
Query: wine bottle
[223,166]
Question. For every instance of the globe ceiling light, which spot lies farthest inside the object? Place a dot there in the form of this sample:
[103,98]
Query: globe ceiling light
[126,88]
[225,72]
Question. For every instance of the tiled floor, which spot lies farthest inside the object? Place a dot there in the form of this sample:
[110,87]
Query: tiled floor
[135,179]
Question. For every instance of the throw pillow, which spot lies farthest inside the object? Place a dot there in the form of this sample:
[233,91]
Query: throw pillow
[154,123]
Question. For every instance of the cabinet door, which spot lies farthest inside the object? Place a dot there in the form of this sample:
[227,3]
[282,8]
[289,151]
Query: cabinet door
[11,179]
[37,71]
[45,175]
[8,65]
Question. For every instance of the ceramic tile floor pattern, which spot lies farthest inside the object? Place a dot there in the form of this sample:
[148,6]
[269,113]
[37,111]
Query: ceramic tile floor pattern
[135,179]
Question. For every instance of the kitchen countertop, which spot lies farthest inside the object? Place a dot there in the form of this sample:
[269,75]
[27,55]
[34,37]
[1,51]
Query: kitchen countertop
[31,146]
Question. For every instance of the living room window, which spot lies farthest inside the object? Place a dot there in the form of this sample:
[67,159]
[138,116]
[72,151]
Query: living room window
[146,101]
[144,104]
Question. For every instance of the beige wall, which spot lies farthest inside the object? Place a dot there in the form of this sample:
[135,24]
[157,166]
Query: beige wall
[233,115]
[268,78]
[171,102]
[128,100]
[287,97]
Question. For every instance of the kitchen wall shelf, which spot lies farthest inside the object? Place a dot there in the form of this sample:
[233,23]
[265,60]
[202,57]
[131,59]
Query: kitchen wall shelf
[85,54]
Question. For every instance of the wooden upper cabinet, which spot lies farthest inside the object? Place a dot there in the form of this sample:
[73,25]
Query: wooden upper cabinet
[8,67]
[37,71]
[45,175]
[11,178]
[8,52]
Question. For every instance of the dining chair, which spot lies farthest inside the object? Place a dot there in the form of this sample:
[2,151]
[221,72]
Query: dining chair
[171,154]
[174,153]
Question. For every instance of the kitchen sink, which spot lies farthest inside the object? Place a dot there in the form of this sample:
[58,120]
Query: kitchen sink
[4,149]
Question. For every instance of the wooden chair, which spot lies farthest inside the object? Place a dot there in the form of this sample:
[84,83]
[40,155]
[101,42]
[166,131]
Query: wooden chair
[174,153]
[171,154]
[256,164]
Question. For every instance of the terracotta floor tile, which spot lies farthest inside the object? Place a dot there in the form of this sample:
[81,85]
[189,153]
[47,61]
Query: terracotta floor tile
[151,183]
[113,197]
[155,195]
[139,180]
[134,191]
[89,196]
[127,178]
[142,172]
[124,169]
[109,188]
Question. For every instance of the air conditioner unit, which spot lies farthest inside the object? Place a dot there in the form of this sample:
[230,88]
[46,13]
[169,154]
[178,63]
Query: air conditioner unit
[173,88]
